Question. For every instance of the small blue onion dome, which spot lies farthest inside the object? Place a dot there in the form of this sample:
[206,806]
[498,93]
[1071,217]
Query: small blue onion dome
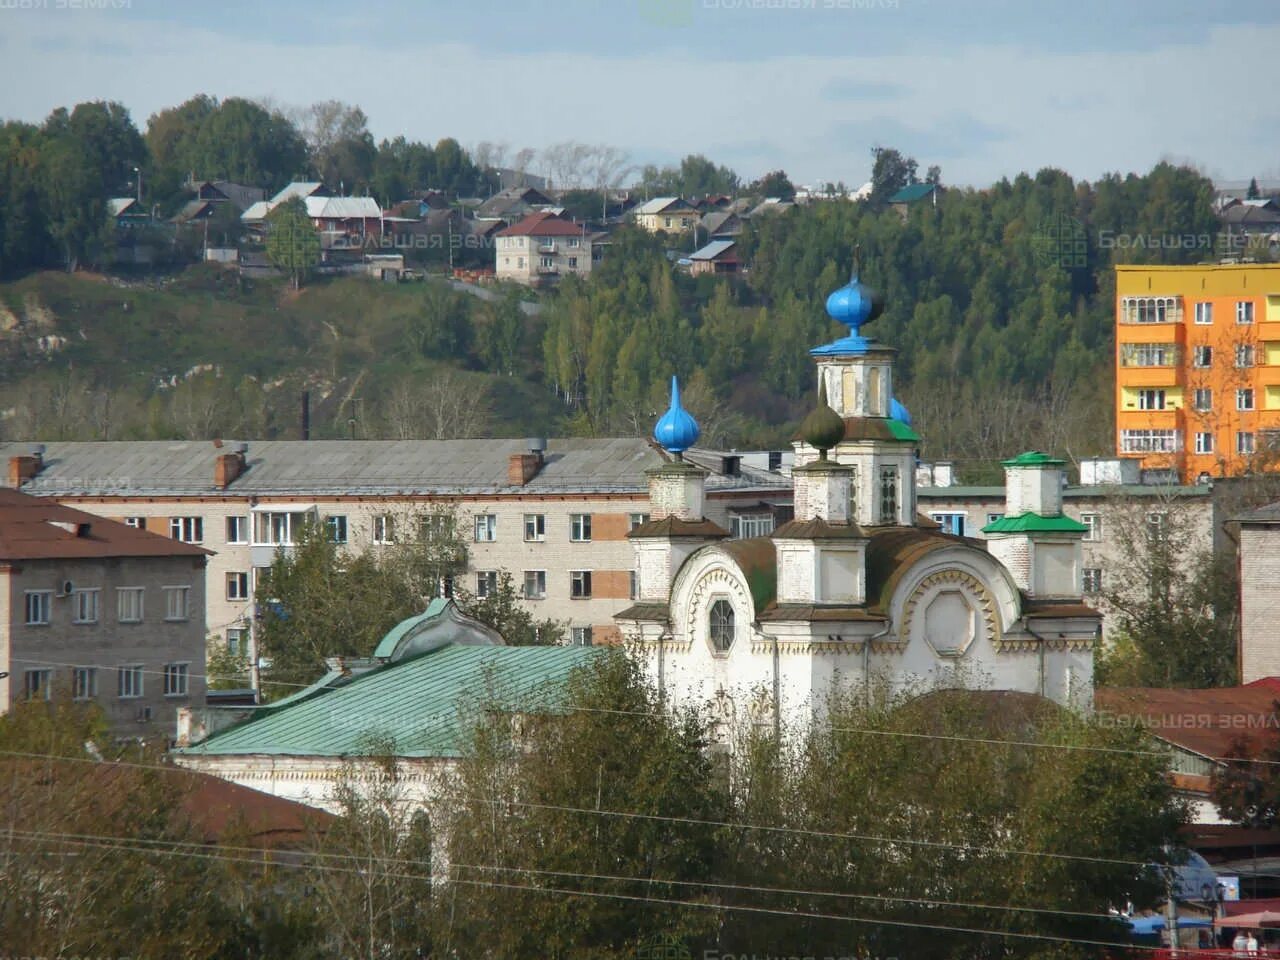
[898,412]
[676,431]
[854,305]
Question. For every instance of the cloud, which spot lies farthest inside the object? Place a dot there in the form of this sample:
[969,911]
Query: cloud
[843,89]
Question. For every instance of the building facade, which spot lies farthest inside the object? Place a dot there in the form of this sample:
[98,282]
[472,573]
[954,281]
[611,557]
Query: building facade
[541,249]
[99,612]
[666,215]
[555,518]
[1197,367]
[855,593]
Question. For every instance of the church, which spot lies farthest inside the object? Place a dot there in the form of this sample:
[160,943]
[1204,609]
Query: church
[857,593]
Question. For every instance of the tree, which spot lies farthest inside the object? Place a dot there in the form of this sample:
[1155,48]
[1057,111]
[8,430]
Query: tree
[502,609]
[1246,787]
[777,184]
[292,241]
[512,817]
[342,150]
[890,172]
[1175,607]
[1253,193]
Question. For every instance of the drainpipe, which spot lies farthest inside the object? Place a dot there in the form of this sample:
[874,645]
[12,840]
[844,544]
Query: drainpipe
[1027,624]
[777,690]
[662,686]
[866,660]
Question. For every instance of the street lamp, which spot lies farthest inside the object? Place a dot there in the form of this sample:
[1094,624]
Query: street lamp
[138,176]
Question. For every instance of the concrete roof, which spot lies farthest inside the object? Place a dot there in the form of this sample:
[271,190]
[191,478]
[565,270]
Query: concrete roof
[356,467]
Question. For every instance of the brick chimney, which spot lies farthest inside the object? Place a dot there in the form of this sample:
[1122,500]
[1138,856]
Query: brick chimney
[25,467]
[228,466]
[523,467]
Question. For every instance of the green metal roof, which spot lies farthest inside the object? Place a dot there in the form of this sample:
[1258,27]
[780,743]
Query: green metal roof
[387,646]
[901,431]
[420,703]
[1033,458]
[912,193]
[1035,523]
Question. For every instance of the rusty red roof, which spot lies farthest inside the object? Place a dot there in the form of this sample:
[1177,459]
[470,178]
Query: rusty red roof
[36,528]
[542,224]
[1207,722]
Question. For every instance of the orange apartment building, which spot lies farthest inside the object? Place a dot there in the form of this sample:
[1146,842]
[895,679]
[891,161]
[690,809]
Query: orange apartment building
[1198,367]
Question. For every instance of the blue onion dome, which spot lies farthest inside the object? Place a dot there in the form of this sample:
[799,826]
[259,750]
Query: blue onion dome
[676,431]
[854,305]
[898,412]
[822,428]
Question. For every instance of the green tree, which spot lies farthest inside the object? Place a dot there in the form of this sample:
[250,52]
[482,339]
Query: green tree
[292,241]
[775,183]
[890,172]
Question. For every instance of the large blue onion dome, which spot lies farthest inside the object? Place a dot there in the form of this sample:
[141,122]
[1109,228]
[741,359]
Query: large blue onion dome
[854,305]
[898,412]
[676,431]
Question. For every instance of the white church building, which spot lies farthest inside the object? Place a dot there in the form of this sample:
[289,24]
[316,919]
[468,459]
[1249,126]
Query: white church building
[858,590]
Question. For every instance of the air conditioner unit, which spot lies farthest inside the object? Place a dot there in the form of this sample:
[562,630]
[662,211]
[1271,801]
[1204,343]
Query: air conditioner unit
[65,588]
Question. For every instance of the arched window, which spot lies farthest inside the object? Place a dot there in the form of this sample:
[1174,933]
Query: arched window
[722,626]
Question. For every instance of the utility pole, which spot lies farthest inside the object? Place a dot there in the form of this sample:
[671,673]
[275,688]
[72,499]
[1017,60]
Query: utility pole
[138,176]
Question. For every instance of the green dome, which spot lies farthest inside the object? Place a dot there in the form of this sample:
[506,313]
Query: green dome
[822,428]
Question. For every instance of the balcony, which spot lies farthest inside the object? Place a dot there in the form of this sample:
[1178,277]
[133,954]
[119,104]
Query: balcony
[547,246]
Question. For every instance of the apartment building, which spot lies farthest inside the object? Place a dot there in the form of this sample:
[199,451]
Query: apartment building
[541,249]
[99,611]
[1198,367]
[554,515]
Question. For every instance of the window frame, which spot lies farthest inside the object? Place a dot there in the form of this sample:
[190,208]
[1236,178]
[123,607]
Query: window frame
[170,592]
[1244,312]
[1245,443]
[336,528]
[43,600]
[941,517]
[1199,394]
[239,579]
[579,584]
[1244,399]
[189,529]
[84,683]
[1204,313]
[1202,356]
[126,673]
[1093,521]
[121,593]
[888,499]
[539,528]
[539,580]
[721,646]
[1091,580]
[179,670]
[486,527]
[579,528]
[486,583]
[384,529]
[37,684]
[83,597]
[636,520]
[1204,442]
[240,534]
[580,636]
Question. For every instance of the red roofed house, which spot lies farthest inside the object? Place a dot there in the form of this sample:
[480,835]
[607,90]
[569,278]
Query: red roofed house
[98,610]
[542,248]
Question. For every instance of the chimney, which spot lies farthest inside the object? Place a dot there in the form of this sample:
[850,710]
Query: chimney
[228,466]
[25,467]
[523,467]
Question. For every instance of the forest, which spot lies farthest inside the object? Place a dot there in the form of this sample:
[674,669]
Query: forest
[1002,340]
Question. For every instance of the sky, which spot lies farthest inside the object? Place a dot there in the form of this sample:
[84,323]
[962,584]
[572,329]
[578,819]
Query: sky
[983,88]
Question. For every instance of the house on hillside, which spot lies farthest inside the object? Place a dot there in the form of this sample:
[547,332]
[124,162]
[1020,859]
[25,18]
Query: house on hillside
[513,204]
[721,225]
[913,194]
[456,668]
[127,213]
[718,256]
[224,191]
[541,249]
[99,611]
[666,214]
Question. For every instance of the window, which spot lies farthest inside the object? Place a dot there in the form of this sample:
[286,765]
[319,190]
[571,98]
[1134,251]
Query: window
[1244,398]
[37,684]
[129,682]
[175,679]
[486,528]
[237,529]
[572,242]
[579,527]
[1148,354]
[436,528]
[1244,442]
[747,525]
[580,584]
[335,528]
[1150,399]
[129,604]
[1202,357]
[1244,311]
[39,603]
[175,602]
[1093,527]
[1151,310]
[84,683]
[993,517]
[1204,314]
[1204,443]
[138,523]
[888,494]
[952,523]
[573,263]
[384,528]
[276,528]
[1244,355]
[1202,399]
[580,636]
[535,527]
[235,641]
[1092,579]
[84,605]
[666,222]
[637,519]
[853,495]
[1157,526]
[634,578]
[1149,441]
[237,586]
[547,262]
[721,628]
[535,584]
[187,529]
[486,582]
